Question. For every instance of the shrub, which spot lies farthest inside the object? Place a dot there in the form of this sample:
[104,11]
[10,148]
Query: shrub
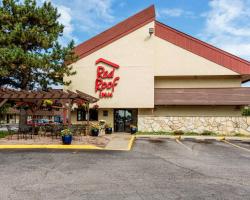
[206,132]
[108,125]
[154,133]
[191,133]
[178,132]
[239,134]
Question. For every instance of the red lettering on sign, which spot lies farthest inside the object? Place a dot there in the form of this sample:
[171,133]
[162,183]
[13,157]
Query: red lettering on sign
[105,81]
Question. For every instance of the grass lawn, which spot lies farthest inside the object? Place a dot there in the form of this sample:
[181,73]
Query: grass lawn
[3,134]
[179,132]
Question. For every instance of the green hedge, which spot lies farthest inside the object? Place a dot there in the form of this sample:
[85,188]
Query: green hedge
[178,132]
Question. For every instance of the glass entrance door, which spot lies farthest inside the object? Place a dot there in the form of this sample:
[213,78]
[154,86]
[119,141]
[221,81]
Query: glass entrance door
[123,118]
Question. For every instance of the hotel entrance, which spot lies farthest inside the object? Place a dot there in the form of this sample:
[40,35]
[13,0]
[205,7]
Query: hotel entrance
[123,118]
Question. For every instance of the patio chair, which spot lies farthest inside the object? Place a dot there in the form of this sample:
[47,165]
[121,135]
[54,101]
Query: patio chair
[25,131]
[48,130]
[41,131]
[83,129]
[76,132]
[55,131]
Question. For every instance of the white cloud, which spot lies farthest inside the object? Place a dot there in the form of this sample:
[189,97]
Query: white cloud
[228,26]
[174,12]
[66,20]
[86,16]
[89,15]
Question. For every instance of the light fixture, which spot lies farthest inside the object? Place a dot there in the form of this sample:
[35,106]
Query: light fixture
[151,31]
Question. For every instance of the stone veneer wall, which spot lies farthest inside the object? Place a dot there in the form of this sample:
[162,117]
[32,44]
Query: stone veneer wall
[220,125]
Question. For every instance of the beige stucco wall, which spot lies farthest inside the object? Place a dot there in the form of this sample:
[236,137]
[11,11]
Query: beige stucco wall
[141,59]
[109,119]
[74,118]
[191,111]
[134,54]
[14,120]
[171,60]
[197,82]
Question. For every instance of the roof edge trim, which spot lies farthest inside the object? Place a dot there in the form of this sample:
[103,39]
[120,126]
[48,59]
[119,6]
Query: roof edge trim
[116,32]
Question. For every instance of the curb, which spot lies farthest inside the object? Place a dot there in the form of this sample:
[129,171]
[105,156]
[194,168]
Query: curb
[87,147]
[60,146]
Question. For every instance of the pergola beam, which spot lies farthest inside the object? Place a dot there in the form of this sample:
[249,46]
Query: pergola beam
[11,94]
[3,102]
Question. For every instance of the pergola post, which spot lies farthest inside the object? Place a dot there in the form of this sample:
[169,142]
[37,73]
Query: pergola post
[64,115]
[22,118]
[69,112]
[87,105]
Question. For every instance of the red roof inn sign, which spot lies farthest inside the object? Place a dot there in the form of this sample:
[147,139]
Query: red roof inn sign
[106,81]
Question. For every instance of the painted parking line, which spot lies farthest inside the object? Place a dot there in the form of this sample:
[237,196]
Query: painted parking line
[131,142]
[179,142]
[235,145]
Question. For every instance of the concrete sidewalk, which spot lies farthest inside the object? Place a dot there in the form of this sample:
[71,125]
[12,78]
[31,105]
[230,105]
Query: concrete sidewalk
[120,141]
[117,141]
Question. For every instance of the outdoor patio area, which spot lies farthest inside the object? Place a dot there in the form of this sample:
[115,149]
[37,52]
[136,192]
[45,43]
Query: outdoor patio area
[100,141]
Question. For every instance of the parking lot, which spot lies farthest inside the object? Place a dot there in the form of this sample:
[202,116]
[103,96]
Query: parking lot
[154,169]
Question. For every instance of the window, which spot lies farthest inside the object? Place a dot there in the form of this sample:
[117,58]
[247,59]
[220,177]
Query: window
[82,115]
[105,113]
[93,115]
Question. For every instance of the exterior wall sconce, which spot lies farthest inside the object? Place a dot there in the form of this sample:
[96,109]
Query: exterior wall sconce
[151,31]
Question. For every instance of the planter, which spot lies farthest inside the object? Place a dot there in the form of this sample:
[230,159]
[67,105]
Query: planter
[108,130]
[133,130]
[94,132]
[67,139]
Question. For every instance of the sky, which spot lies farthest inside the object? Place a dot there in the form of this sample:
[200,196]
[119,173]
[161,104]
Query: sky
[223,23]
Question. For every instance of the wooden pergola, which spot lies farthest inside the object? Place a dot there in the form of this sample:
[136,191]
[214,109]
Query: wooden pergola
[67,98]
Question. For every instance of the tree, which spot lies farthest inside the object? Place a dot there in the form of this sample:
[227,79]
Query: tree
[30,54]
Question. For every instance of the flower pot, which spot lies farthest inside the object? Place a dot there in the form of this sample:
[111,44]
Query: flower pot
[67,139]
[108,130]
[133,130]
[95,132]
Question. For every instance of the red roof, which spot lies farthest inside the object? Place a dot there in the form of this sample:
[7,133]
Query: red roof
[116,32]
[169,34]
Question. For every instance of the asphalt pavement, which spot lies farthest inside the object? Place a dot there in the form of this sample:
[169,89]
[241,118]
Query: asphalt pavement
[156,169]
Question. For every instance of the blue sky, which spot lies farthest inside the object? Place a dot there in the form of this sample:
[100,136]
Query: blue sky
[223,23]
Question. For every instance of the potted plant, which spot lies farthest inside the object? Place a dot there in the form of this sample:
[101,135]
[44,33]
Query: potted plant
[133,129]
[81,104]
[108,128]
[66,136]
[95,129]
[47,103]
